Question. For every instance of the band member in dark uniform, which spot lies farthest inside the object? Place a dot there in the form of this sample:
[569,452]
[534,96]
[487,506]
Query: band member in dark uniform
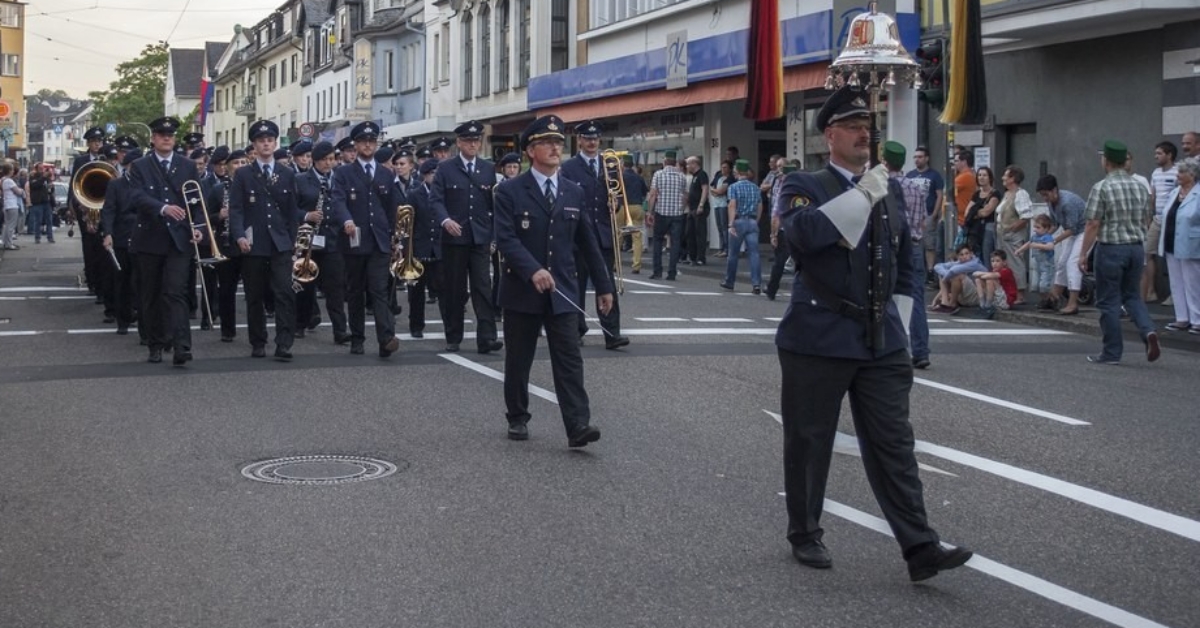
[587,169]
[263,217]
[302,156]
[461,196]
[365,198]
[193,141]
[346,149]
[229,273]
[540,230]
[423,155]
[119,218]
[427,241]
[89,235]
[106,270]
[164,240]
[844,332]
[316,203]
[440,147]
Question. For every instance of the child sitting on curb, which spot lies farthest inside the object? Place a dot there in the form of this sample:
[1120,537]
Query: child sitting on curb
[997,288]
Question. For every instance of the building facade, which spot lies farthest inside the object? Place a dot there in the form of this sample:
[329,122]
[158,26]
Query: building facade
[12,82]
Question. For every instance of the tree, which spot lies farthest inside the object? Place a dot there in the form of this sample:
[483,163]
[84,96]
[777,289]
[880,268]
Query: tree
[46,93]
[136,97]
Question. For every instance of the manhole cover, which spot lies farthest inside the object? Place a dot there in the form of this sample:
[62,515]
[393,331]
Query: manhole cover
[319,470]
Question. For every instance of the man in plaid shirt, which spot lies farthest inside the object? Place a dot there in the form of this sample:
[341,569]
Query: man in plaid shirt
[667,200]
[1116,223]
[915,192]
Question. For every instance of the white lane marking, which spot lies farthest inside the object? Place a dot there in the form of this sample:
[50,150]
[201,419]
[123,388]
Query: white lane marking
[999,402]
[699,331]
[65,298]
[537,391]
[662,319]
[997,332]
[1153,517]
[41,289]
[774,319]
[1015,577]
[723,320]
[968,321]
[649,292]
[638,282]
[846,444]
[19,333]
[698,294]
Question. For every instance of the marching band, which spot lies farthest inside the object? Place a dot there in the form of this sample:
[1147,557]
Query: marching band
[346,223]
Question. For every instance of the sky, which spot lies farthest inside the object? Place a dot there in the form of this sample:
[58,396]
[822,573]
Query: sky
[75,45]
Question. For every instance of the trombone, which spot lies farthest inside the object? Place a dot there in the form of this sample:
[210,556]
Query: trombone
[193,196]
[618,208]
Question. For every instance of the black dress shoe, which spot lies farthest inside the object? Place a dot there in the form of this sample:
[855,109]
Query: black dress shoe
[388,348]
[584,435]
[122,329]
[670,277]
[205,325]
[656,276]
[341,339]
[489,346]
[356,348]
[270,313]
[932,558]
[109,319]
[155,355]
[299,333]
[518,431]
[181,358]
[616,343]
[452,347]
[431,300]
[282,354]
[812,554]
[258,352]
[226,338]
[726,285]
[314,322]
[416,333]
[921,363]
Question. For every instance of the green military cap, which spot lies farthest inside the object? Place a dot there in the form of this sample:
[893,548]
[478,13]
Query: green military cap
[1116,152]
[741,165]
[669,154]
[789,167]
[894,153]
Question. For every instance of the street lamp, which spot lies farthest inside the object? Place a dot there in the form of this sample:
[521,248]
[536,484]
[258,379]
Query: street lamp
[873,60]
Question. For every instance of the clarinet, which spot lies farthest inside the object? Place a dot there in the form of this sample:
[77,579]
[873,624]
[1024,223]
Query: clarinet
[877,308]
[225,205]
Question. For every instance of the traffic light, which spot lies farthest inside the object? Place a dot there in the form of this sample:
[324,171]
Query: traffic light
[933,73]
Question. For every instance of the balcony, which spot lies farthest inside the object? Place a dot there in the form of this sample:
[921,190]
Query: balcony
[246,108]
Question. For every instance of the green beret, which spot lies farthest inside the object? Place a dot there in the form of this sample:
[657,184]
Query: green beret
[789,167]
[1116,152]
[669,154]
[627,160]
[894,153]
[741,165]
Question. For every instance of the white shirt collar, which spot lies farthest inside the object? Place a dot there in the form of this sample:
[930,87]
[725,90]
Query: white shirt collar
[844,172]
[466,162]
[541,179]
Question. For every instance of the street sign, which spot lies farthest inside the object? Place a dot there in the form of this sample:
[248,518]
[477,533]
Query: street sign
[307,130]
[5,109]
[58,129]
[110,128]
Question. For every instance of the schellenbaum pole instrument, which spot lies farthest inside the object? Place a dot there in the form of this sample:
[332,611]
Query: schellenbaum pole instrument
[618,209]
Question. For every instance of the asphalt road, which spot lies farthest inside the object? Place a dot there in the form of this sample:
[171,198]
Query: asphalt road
[122,500]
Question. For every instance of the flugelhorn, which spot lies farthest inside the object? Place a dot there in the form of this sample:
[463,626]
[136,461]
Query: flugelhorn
[618,209]
[304,269]
[89,184]
[403,266]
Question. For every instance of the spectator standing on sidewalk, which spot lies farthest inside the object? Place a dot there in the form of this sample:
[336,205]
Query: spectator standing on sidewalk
[1067,209]
[635,195]
[745,208]
[1012,223]
[1041,249]
[1190,144]
[13,193]
[1162,183]
[41,204]
[666,202]
[1180,246]
[934,241]
[965,184]
[696,229]
[718,199]
[1116,225]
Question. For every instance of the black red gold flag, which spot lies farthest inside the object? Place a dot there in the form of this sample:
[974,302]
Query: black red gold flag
[764,63]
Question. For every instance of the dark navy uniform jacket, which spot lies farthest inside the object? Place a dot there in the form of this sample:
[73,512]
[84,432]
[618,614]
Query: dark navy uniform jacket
[532,234]
[267,205]
[118,217]
[370,203]
[152,190]
[308,189]
[595,190]
[465,198]
[811,328]
[427,233]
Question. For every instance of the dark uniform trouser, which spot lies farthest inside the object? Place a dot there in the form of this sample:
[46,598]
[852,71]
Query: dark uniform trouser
[262,275]
[229,273]
[431,279]
[332,280]
[696,235]
[566,364]
[813,388]
[464,266]
[367,280]
[93,248]
[782,252]
[163,289]
[122,288]
[611,321]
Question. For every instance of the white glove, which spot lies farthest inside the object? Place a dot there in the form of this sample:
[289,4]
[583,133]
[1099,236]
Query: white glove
[875,183]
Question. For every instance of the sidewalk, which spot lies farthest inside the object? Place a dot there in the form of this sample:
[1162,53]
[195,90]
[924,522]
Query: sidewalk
[1087,322]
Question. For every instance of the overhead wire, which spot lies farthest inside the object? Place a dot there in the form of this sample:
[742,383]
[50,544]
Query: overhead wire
[177,21]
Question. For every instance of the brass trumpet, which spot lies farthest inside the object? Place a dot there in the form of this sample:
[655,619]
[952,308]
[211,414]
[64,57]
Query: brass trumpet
[618,208]
[403,266]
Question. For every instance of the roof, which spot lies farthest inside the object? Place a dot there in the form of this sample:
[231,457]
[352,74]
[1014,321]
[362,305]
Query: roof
[186,66]
[315,12]
[212,54]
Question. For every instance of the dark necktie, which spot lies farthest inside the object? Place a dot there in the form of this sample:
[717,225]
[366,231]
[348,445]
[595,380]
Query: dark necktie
[266,171]
[550,192]
[856,178]
[165,164]
[470,167]
[592,163]
[370,171]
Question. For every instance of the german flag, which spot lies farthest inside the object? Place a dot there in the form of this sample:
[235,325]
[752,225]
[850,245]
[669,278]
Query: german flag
[966,101]
[764,63]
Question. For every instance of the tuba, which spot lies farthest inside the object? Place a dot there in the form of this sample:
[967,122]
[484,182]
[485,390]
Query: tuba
[89,185]
[403,266]
[304,269]
[618,208]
